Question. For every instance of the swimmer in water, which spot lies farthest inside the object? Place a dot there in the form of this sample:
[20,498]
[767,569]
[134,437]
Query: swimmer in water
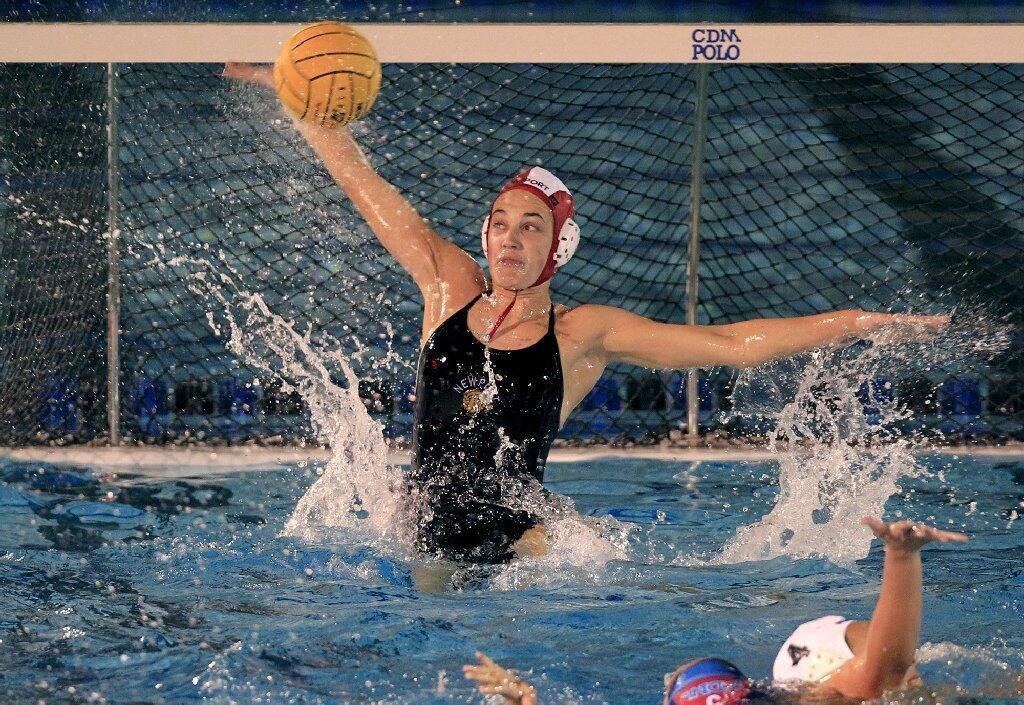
[501,366]
[827,657]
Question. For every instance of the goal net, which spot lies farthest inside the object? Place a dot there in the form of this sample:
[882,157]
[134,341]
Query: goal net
[824,187]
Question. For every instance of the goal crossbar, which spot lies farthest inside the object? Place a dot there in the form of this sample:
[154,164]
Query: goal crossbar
[523,43]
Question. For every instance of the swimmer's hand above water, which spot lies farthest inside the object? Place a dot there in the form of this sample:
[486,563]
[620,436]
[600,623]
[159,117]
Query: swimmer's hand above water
[441,269]
[885,658]
[492,679]
[906,536]
[899,327]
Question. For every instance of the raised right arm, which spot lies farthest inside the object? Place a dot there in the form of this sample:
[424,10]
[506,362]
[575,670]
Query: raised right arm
[894,627]
[425,255]
[429,259]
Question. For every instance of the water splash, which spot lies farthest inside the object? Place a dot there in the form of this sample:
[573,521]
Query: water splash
[357,491]
[837,431]
[578,550]
[1001,658]
[982,673]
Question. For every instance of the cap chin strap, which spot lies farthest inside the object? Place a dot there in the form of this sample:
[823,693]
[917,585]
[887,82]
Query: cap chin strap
[549,271]
[562,249]
[501,317]
[563,243]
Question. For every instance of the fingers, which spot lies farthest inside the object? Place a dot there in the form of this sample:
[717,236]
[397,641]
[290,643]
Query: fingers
[240,71]
[253,73]
[878,527]
[934,322]
[906,530]
[486,670]
[476,672]
[929,533]
[481,676]
[948,536]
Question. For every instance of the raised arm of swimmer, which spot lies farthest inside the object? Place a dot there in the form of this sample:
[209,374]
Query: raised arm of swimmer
[887,655]
[627,337]
[429,259]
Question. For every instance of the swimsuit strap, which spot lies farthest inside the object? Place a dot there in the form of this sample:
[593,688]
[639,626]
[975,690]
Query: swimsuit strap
[551,319]
[470,304]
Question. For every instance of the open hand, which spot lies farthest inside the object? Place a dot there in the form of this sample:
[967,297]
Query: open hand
[934,323]
[902,327]
[492,679]
[906,536]
[249,73]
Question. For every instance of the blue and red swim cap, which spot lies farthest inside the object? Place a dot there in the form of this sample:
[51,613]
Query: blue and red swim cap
[709,681]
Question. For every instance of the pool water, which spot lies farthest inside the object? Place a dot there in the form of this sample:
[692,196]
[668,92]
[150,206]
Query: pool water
[128,589]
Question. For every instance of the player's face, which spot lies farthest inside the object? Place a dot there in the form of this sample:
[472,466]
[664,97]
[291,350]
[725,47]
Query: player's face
[518,239]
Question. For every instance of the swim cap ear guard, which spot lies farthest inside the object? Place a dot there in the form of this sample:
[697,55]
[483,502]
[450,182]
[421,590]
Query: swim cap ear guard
[566,233]
[709,681]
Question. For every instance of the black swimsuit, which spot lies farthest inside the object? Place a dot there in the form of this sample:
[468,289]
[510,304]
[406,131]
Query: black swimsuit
[480,439]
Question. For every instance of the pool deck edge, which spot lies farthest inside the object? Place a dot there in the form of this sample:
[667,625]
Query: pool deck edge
[228,458]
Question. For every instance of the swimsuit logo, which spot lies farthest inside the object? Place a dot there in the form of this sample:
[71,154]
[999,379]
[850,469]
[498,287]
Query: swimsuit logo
[471,387]
[796,653]
[473,401]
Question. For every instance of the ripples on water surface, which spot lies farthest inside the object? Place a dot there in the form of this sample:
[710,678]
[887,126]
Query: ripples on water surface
[134,590]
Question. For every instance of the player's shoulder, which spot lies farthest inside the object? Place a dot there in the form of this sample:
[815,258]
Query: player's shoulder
[591,317]
[590,311]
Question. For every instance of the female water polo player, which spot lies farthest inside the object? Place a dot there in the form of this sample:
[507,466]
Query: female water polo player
[501,366]
[823,658]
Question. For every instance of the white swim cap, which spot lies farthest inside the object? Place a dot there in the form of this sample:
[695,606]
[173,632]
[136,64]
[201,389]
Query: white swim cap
[813,650]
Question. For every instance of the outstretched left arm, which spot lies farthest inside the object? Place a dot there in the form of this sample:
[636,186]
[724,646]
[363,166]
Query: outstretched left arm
[628,337]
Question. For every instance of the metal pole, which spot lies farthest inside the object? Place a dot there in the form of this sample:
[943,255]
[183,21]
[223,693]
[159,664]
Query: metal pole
[696,186]
[113,277]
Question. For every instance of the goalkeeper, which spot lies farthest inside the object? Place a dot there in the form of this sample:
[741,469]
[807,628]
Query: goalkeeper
[502,366]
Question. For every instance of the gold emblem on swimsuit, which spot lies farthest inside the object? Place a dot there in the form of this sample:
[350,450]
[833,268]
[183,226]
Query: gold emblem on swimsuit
[473,401]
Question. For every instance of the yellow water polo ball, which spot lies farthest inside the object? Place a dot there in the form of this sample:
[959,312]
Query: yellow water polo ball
[327,74]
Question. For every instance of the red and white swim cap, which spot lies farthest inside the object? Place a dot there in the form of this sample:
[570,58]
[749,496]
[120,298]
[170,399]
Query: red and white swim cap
[565,234]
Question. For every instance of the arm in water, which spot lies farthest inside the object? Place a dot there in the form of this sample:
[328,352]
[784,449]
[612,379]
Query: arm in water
[492,679]
[888,653]
[630,338]
[437,266]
